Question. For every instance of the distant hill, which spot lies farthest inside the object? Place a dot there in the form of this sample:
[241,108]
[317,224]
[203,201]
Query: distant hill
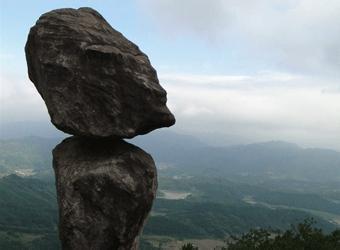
[28,155]
[275,159]
[272,160]
[217,204]
[15,130]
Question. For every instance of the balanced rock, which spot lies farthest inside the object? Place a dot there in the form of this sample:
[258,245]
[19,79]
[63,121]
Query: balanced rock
[105,191]
[94,81]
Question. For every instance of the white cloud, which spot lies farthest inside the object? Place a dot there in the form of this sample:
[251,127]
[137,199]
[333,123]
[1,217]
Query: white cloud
[299,37]
[287,107]
[190,16]
[260,107]
[19,100]
[302,35]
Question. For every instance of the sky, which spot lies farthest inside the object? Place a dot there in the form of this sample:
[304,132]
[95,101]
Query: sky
[235,71]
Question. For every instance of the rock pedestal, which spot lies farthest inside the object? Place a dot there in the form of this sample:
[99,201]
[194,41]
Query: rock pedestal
[105,191]
[100,87]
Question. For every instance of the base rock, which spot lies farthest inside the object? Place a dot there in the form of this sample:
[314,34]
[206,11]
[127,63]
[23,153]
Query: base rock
[105,191]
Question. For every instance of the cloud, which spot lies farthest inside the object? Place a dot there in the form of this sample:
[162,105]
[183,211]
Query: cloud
[258,107]
[19,100]
[300,39]
[195,17]
[298,35]
[287,107]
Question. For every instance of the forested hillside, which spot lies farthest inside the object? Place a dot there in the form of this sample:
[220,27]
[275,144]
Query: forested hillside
[201,206]
[28,214]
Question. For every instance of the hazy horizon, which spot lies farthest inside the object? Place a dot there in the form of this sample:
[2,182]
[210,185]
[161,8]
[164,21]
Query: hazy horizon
[46,130]
[235,72]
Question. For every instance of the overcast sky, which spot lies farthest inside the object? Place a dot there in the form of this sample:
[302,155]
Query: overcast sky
[235,71]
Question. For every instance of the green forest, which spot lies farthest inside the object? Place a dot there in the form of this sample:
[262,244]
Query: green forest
[202,210]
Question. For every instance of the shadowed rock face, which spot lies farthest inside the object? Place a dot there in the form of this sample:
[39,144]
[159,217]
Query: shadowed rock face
[105,191]
[98,86]
[94,81]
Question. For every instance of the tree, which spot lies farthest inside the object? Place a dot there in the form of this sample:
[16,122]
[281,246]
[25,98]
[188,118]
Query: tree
[189,246]
[304,236]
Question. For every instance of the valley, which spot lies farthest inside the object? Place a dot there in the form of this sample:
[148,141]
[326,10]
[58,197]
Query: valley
[204,205]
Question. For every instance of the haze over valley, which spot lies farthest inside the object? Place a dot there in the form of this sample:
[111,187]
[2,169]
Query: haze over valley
[207,192]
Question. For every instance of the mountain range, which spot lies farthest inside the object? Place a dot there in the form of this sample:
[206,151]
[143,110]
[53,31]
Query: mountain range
[206,191]
[274,160]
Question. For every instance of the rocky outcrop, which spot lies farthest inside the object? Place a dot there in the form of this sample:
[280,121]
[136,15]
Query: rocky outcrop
[100,87]
[94,81]
[105,191]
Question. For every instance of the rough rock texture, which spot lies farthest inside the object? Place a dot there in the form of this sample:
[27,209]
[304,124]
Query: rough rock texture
[93,80]
[105,191]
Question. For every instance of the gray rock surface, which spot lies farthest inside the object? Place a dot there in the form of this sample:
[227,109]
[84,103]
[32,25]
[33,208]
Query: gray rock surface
[94,81]
[105,191]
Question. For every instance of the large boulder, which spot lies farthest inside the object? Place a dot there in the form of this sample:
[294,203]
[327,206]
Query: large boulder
[105,191]
[94,81]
